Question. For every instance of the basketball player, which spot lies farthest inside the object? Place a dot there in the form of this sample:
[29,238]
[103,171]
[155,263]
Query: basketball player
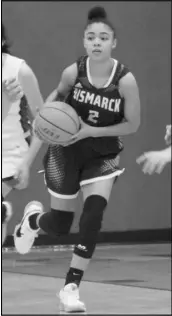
[105,95]
[20,99]
[155,161]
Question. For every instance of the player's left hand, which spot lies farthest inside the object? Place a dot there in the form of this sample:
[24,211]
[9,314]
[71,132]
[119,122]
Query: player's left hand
[84,132]
[13,89]
[22,175]
[153,161]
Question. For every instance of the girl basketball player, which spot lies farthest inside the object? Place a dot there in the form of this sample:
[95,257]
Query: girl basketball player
[105,95]
[19,104]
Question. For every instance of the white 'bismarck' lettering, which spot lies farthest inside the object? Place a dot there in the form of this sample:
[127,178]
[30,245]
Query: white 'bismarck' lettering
[97,101]
[89,98]
[82,96]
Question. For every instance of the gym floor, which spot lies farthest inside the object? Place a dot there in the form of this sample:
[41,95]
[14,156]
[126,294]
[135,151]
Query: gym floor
[121,279]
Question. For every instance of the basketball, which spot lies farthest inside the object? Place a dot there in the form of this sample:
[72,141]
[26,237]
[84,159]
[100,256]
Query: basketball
[56,123]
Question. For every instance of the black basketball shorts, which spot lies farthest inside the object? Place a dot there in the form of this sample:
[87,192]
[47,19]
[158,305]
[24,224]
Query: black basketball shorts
[69,168]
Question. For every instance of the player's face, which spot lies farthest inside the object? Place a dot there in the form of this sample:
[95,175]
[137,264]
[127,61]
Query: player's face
[99,41]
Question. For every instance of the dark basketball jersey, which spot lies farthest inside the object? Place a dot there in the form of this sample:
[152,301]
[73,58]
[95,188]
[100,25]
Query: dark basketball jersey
[99,107]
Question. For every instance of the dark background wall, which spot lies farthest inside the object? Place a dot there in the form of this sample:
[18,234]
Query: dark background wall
[49,36]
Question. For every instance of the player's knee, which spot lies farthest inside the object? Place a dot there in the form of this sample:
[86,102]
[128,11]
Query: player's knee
[92,216]
[56,223]
[90,225]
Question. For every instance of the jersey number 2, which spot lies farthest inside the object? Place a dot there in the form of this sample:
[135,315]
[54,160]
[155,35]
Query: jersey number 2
[93,116]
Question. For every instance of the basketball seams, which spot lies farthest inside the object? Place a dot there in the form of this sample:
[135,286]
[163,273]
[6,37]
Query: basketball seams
[54,119]
[51,107]
[55,125]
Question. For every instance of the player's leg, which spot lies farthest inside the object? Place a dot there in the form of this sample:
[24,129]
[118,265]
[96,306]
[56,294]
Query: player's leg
[56,222]
[11,158]
[63,187]
[96,196]
[6,210]
[97,181]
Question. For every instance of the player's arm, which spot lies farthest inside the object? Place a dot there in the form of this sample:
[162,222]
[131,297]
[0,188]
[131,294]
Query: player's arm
[129,91]
[67,81]
[11,92]
[23,170]
[30,87]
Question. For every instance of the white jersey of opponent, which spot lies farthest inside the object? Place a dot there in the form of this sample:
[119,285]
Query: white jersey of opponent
[14,145]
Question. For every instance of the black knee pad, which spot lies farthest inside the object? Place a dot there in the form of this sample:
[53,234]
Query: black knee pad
[90,225]
[91,218]
[56,223]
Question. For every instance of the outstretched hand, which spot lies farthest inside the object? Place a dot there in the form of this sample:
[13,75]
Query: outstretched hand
[153,161]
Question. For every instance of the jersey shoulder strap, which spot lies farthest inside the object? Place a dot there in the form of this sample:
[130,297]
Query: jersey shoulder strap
[81,65]
[82,72]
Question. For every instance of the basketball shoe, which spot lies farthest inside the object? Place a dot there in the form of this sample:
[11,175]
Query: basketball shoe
[24,235]
[69,299]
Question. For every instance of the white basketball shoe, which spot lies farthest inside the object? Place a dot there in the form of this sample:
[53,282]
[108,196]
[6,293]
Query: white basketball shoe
[24,235]
[69,299]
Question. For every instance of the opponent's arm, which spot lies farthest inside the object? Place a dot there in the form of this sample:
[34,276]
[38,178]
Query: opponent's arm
[11,92]
[30,86]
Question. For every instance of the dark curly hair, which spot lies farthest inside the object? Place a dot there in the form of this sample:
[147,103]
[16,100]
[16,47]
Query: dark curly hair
[98,14]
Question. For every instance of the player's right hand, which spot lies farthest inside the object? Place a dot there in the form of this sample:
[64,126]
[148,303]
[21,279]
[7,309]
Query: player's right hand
[13,89]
